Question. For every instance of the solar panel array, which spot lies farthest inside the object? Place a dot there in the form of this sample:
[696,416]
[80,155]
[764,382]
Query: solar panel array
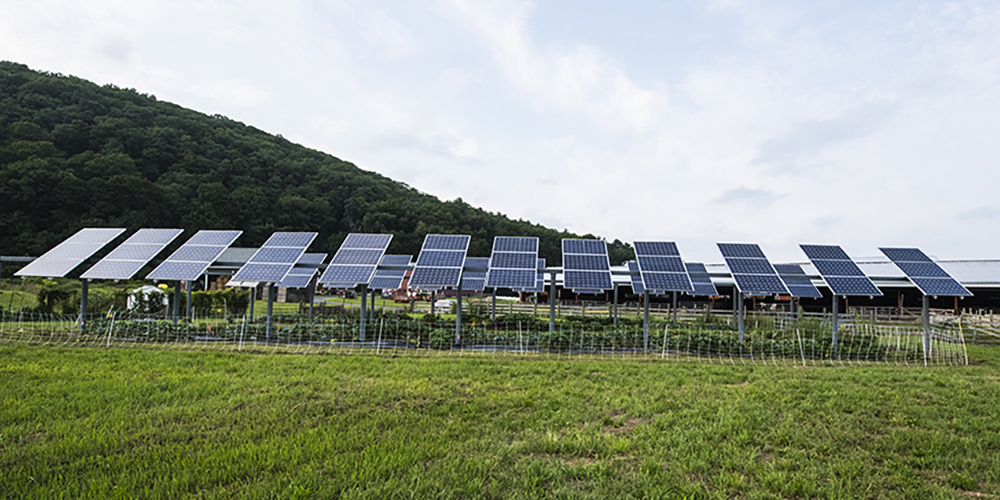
[271,262]
[302,274]
[390,279]
[753,273]
[356,259]
[473,278]
[797,282]
[586,268]
[840,273]
[69,254]
[129,257]
[661,267]
[191,260]
[633,269]
[700,280]
[512,262]
[929,277]
[440,262]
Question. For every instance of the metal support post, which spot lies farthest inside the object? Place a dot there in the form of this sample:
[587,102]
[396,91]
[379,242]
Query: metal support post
[675,309]
[741,314]
[926,313]
[312,299]
[433,300]
[187,312]
[372,312]
[364,302]
[253,298]
[177,301]
[271,292]
[736,309]
[552,302]
[458,314]
[836,324]
[616,305]
[83,304]
[493,313]
[645,320]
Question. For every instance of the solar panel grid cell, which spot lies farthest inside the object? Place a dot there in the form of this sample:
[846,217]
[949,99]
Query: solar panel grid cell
[446,242]
[846,285]
[370,241]
[940,286]
[441,258]
[905,255]
[749,266]
[515,244]
[656,248]
[922,270]
[755,283]
[262,272]
[824,252]
[592,247]
[748,250]
[585,262]
[434,277]
[837,268]
[357,256]
[214,238]
[666,282]
[396,260]
[589,280]
[661,264]
[511,278]
[513,260]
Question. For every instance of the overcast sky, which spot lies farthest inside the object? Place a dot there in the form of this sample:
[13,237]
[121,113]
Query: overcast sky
[862,124]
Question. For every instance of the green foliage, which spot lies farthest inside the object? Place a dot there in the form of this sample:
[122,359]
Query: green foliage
[74,154]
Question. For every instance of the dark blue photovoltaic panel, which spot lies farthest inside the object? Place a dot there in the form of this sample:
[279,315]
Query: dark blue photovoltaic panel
[510,260]
[313,260]
[585,262]
[272,261]
[922,270]
[520,244]
[702,283]
[510,254]
[749,266]
[637,286]
[905,255]
[851,285]
[587,280]
[661,267]
[356,259]
[396,260]
[434,277]
[441,258]
[69,254]
[748,250]
[758,276]
[191,260]
[796,281]
[661,264]
[593,247]
[824,252]
[840,273]
[586,265]
[539,279]
[440,262]
[126,260]
[446,242]
[667,282]
[475,280]
[388,279]
[929,277]
[656,248]
[477,264]
[301,277]
[837,268]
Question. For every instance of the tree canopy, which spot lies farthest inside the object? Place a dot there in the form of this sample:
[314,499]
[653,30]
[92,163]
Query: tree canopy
[74,154]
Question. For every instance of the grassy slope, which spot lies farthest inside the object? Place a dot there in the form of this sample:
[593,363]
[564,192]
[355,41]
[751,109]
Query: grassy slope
[126,423]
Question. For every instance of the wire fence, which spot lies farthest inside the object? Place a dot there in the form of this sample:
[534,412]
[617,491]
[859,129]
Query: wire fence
[769,338]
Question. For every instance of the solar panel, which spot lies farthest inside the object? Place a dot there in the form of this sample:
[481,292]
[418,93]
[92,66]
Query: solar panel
[390,279]
[271,262]
[64,257]
[753,273]
[539,279]
[126,260]
[700,280]
[444,262]
[586,265]
[840,273]
[301,277]
[633,269]
[798,284]
[356,260]
[513,262]
[661,267]
[472,278]
[926,274]
[191,260]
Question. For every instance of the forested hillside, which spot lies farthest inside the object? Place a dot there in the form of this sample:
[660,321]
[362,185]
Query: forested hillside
[75,154]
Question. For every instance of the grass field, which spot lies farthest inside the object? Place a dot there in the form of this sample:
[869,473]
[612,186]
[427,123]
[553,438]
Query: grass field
[126,423]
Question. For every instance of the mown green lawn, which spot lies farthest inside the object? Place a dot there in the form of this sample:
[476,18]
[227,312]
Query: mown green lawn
[125,423]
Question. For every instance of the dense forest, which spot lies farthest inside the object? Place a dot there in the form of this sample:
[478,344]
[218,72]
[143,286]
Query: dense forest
[74,154]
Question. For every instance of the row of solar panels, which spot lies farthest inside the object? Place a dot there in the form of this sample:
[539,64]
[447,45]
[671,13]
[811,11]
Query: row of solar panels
[443,263]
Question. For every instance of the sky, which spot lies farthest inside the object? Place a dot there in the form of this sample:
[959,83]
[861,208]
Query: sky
[860,124]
